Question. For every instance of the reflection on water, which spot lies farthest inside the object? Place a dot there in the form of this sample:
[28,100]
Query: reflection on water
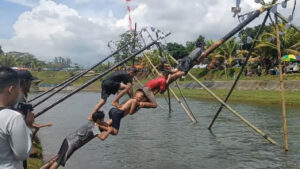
[152,139]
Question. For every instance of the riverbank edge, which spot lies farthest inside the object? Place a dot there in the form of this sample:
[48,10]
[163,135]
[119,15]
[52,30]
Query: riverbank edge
[252,97]
[36,161]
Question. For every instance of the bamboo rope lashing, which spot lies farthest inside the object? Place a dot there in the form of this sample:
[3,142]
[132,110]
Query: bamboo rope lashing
[171,90]
[231,109]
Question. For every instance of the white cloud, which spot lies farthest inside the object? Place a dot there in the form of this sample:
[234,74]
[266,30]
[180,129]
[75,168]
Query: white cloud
[51,29]
[28,3]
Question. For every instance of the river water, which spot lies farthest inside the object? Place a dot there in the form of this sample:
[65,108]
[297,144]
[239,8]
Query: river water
[151,139]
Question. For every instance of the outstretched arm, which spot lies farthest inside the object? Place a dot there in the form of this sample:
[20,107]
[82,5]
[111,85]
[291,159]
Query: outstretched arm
[35,125]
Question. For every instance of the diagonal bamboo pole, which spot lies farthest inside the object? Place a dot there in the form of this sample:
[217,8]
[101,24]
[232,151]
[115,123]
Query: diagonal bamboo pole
[71,80]
[242,69]
[232,32]
[192,117]
[231,109]
[185,101]
[285,20]
[44,110]
[281,87]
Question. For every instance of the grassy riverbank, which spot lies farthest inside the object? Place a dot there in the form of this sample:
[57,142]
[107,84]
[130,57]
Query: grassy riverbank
[36,161]
[252,97]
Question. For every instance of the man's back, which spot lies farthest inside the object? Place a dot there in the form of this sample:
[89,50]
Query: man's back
[158,83]
[119,76]
[15,141]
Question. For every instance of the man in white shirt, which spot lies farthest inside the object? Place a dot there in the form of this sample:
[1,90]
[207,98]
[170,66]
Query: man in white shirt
[15,141]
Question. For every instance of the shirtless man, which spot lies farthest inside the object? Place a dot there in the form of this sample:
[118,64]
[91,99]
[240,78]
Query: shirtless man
[119,80]
[119,111]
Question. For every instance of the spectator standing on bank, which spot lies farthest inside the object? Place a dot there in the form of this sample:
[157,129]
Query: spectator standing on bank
[15,140]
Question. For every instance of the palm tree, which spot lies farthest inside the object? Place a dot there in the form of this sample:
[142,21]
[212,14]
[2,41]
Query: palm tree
[7,60]
[289,38]
[229,49]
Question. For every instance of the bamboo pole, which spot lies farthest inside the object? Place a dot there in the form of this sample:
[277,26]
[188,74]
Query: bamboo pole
[171,90]
[243,67]
[231,109]
[286,21]
[285,135]
[185,101]
[44,110]
[71,80]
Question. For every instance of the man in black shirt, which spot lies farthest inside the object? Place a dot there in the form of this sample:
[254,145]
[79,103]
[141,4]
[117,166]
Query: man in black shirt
[112,84]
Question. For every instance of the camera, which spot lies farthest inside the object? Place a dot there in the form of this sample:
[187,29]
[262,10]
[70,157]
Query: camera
[24,108]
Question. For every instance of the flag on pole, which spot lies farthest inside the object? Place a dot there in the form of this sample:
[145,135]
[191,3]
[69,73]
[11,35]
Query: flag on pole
[129,18]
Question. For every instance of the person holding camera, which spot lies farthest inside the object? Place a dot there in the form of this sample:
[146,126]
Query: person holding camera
[25,108]
[15,140]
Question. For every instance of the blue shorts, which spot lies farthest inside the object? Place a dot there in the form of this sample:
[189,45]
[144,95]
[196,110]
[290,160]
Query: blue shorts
[116,115]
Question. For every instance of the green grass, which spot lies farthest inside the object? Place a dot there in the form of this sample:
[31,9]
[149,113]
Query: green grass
[219,75]
[37,161]
[54,77]
[257,97]
[254,97]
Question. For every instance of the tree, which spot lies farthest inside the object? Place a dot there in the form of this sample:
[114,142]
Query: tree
[178,51]
[247,33]
[200,40]
[229,49]
[1,51]
[127,37]
[266,47]
[7,60]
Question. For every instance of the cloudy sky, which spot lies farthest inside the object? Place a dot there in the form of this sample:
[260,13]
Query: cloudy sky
[80,29]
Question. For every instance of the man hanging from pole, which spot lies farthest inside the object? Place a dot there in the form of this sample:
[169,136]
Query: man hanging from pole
[112,84]
[186,63]
[152,87]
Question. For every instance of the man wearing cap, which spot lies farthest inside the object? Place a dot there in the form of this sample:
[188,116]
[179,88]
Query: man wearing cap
[26,78]
[119,80]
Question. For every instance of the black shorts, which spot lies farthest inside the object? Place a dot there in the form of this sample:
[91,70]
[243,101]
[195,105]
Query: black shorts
[109,87]
[116,115]
[184,64]
[64,153]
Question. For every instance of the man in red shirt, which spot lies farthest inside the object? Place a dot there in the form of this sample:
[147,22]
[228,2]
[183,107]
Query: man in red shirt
[152,87]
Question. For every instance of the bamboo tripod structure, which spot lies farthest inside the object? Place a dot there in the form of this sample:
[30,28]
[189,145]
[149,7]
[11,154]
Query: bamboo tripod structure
[281,86]
[188,113]
[231,109]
